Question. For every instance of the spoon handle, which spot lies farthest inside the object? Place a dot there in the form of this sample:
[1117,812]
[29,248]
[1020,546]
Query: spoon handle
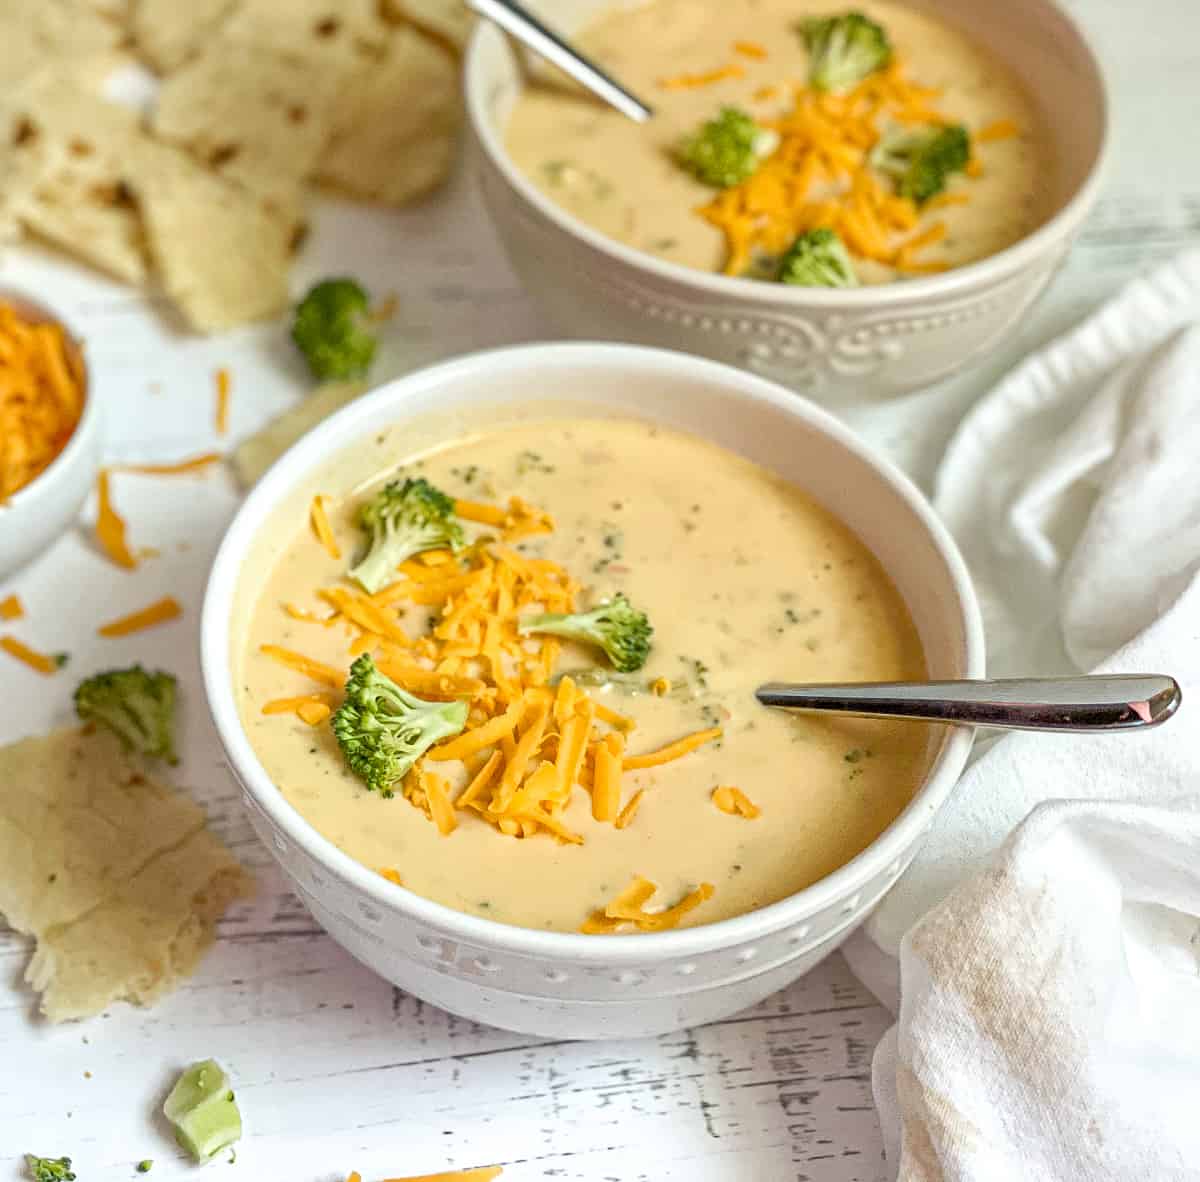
[1097,703]
[516,19]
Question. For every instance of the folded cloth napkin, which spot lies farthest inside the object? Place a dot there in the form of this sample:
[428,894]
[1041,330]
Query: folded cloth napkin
[1047,981]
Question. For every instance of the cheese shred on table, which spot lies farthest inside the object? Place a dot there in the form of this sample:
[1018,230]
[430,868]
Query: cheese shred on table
[39,662]
[224,386]
[159,612]
[42,392]
[532,739]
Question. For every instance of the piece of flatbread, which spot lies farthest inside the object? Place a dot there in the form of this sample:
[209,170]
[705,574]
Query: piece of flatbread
[168,32]
[451,20]
[71,152]
[114,874]
[256,454]
[140,942]
[35,34]
[396,132]
[350,31]
[253,114]
[221,252]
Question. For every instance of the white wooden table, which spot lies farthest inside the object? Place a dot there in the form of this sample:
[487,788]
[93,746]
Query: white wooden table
[335,1069]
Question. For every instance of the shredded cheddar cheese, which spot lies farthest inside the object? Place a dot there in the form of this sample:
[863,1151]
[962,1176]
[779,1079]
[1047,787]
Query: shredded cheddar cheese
[39,662]
[110,526]
[820,176]
[735,802]
[750,49]
[302,664]
[626,815]
[628,910]
[314,713]
[483,1174]
[392,876]
[321,527]
[11,608]
[672,751]
[706,78]
[221,416]
[1002,129]
[180,468]
[159,612]
[42,392]
[310,708]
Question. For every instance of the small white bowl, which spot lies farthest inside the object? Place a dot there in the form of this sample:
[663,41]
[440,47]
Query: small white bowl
[565,985]
[35,516]
[837,346]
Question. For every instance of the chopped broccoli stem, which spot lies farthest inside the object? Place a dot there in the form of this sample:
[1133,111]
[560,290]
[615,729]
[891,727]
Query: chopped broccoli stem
[383,729]
[727,149]
[332,328]
[139,707]
[920,162]
[145,1166]
[617,627]
[402,520]
[202,1110]
[844,49]
[817,259]
[49,1169]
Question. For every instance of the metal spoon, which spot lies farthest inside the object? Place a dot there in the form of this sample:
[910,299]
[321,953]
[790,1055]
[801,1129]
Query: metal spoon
[516,19]
[1097,703]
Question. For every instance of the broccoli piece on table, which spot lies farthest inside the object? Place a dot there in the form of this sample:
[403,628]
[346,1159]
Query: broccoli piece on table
[727,149]
[383,729]
[817,259]
[617,627]
[49,1169]
[844,49]
[332,328]
[202,1110]
[920,162]
[139,707]
[402,520]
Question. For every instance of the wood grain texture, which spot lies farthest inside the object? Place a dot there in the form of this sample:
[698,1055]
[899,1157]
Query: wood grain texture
[335,1069]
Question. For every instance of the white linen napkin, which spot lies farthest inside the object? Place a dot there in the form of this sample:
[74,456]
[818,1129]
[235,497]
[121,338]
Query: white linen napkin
[1047,981]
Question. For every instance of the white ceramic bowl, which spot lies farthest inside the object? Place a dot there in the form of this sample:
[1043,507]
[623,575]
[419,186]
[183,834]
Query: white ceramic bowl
[35,516]
[837,346]
[575,986]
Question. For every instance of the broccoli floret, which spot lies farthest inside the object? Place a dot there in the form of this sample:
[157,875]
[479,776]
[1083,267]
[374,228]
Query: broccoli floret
[617,627]
[139,707]
[49,1169]
[727,149]
[920,162]
[817,259]
[202,1110]
[383,730]
[844,49]
[402,520]
[332,328]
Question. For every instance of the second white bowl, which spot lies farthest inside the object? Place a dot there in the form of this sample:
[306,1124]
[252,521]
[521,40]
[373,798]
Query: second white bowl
[837,346]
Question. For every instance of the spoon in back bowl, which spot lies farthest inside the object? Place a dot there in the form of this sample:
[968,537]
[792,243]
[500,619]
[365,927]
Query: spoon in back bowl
[513,17]
[1095,704]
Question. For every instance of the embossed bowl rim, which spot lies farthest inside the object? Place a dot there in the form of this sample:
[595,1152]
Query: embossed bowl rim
[478,86]
[385,406]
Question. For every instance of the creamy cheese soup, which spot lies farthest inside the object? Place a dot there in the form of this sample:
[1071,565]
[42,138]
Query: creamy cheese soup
[690,58]
[744,579]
